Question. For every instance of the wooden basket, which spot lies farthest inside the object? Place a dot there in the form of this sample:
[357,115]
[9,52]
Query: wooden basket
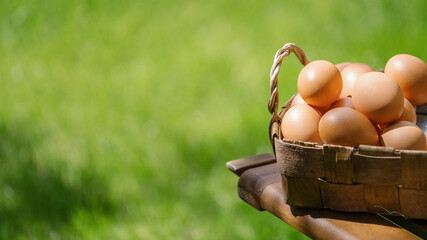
[363,179]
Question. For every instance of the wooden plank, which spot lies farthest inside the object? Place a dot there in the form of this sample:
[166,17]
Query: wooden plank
[414,169]
[382,199]
[240,165]
[413,203]
[291,158]
[337,164]
[253,181]
[343,197]
[417,227]
[303,192]
[376,170]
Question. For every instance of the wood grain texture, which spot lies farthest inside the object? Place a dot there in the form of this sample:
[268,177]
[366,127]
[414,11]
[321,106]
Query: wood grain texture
[337,164]
[274,131]
[303,192]
[414,169]
[376,150]
[299,161]
[257,178]
[249,197]
[376,170]
[240,165]
[343,197]
[413,203]
[382,199]
[417,227]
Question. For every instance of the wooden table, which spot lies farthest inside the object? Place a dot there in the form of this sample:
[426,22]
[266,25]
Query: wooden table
[260,186]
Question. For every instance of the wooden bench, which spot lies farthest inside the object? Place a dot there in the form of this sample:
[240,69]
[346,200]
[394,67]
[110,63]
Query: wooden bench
[260,186]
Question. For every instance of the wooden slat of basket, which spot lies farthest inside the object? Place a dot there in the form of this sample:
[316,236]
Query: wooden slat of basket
[337,164]
[376,151]
[413,203]
[292,158]
[414,169]
[376,170]
[342,197]
[302,191]
[382,199]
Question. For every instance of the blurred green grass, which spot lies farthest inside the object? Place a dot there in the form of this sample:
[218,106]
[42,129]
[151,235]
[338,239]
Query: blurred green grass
[116,118]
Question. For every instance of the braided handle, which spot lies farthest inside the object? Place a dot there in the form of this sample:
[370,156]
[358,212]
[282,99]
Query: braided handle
[283,52]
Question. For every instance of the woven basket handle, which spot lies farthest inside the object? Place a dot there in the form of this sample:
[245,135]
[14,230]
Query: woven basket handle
[283,52]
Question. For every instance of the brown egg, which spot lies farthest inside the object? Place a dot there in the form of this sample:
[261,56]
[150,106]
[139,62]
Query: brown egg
[379,97]
[297,100]
[348,127]
[342,102]
[341,66]
[404,135]
[320,83]
[350,74]
[301,123]
[408,113]
[410,73]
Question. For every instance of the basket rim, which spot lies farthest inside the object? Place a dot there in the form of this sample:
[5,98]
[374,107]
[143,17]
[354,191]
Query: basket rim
[279,136]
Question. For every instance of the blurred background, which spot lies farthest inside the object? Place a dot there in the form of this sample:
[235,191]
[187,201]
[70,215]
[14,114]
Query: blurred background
[117,118]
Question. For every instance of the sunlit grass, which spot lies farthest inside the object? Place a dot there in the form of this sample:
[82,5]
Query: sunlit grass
[116,119]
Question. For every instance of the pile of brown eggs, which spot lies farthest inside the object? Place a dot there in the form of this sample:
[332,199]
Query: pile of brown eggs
[351,104]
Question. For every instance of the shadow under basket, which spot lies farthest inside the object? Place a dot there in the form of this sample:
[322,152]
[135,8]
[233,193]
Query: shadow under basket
[363,179]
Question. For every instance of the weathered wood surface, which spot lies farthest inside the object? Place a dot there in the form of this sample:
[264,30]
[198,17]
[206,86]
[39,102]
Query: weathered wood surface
[413,202]
[337,164]
[238,166]
[310,172]
[414,169]
[303,191]
[376,170]
[264,189]
[258,179]
[309,158]
[343,197]
[382,198]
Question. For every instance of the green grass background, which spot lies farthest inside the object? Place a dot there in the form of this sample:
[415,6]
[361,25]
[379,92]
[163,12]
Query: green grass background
[117,118]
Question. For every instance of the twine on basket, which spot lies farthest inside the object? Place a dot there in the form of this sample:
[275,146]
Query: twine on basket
[390,212]
[273,127]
